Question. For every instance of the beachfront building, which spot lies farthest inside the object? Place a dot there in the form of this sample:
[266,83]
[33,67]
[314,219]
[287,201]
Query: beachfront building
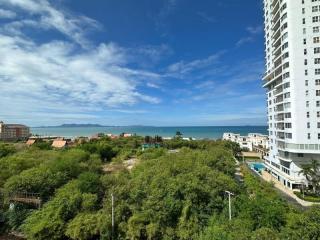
[292,81]
[253,140]
[13,132]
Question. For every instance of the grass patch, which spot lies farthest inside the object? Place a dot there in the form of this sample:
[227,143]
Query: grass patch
[309,198]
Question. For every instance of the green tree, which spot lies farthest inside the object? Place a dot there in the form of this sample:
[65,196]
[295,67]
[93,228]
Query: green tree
[85,226]
[148,139]
[312,173]
[265,234]
[50,222]
[6,149]
[178,135]
[302,226]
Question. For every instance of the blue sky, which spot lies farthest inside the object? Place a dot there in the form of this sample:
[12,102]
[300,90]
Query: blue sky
[124,62]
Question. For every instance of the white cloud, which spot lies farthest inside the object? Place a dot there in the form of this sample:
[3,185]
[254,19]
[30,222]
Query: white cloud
[244,40]
[59,76]
[206,17]
[183,67]
[152,85]
[221,81]
[7,14]
[48,17]
[253,32]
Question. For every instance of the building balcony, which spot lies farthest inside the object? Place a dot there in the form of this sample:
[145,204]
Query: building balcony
[274,2]
[299,148]
[278,91]
[277,42]
[276,34]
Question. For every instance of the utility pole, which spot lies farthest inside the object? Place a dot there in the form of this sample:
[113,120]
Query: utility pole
[229,194]
[112,214]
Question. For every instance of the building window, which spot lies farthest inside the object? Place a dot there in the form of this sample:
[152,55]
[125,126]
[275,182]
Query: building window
[288,135]
[318,135]
[287,105]
[316,39]
[317,92]
[317,61]
[308,125]
[288,125]
[306,82]
[307,104]
[318,124]
[317,82]
[287,85]
[287,115]
[316,50]
[318,104]
[309,135]
[317,71]
[315,29]
[318,114]
[285,45]
[286,75]
[307,93]
[308,114]
[305,62]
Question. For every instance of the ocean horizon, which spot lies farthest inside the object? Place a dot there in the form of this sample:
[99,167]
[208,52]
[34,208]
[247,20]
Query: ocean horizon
[198,132]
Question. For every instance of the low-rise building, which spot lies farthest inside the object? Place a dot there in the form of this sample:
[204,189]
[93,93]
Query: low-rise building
[61,143]
[249,142]
[30,142]
[13,132]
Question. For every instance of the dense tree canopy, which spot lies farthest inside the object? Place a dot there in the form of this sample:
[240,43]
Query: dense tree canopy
[167,195]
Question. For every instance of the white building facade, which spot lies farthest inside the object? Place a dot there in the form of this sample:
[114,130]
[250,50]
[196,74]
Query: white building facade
[250,141]
[292,80]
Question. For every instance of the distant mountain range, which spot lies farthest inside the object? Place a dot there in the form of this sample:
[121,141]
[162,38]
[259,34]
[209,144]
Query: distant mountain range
[73,125]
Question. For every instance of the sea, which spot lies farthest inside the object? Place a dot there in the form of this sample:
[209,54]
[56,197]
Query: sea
[214,132]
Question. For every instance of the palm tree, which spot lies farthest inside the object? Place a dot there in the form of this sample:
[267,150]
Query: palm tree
[306,172]
[158,139]
[147,139]
[178,134]
[311,173]
[315,177]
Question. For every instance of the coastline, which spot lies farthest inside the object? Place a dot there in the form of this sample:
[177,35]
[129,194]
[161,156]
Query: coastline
[196,132]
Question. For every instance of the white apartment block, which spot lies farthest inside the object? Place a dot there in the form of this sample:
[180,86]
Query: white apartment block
[253,139]
[292,80]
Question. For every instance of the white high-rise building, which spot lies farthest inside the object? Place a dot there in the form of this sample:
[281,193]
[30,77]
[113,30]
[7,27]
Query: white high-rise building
[292,80]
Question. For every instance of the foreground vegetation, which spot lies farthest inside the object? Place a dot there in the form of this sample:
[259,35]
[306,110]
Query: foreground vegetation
[168,195]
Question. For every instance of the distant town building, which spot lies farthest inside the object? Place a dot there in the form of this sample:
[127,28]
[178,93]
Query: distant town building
[127,135]
[60,143]
[253,140]
[31,142]
[13,132]
[112,136]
